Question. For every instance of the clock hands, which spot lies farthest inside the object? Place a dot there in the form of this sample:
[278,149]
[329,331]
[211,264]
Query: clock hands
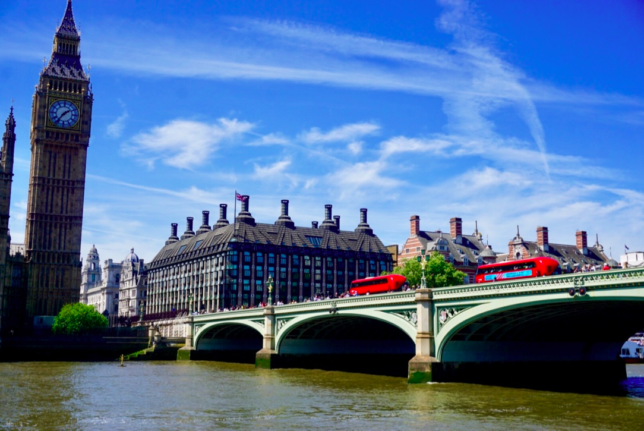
[63,113]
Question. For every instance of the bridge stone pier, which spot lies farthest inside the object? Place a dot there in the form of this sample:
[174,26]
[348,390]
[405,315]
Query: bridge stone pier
[563,328]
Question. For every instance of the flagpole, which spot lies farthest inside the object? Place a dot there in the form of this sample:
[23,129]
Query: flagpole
[235,219]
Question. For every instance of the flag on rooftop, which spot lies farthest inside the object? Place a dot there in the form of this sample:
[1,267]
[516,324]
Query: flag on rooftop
[239,197]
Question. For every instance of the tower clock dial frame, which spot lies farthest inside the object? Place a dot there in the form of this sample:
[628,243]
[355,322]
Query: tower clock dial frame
[64,113]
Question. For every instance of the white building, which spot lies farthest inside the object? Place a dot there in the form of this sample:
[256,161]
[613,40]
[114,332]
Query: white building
[15,249]
[133,287]
[632,259]
[100,288]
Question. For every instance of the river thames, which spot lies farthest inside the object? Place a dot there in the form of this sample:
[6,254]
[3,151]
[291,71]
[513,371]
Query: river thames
[171,395]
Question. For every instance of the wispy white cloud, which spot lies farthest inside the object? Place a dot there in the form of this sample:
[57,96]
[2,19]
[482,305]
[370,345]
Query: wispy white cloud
[184,143]
[281,48]
[191,194]
[359,178]
[499,83]
[345,133]
[402,144]
[506,183]
[273,171]
[115,129]
[355,147]
[270,139]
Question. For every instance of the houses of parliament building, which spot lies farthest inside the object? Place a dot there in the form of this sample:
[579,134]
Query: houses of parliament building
[40,279]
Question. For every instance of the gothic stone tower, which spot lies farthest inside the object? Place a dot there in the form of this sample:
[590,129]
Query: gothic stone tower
[60,131]
[6,178]
[91,274]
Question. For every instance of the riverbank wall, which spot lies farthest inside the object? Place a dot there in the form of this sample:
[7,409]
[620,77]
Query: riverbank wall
[69,347]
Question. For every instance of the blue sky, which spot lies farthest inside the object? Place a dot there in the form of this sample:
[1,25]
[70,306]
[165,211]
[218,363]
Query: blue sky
[510,113]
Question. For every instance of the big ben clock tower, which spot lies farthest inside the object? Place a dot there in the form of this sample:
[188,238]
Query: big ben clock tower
[60,129]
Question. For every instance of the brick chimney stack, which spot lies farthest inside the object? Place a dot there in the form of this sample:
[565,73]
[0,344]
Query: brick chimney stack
[415,225]
[456,229]
[582,242]
[542,237]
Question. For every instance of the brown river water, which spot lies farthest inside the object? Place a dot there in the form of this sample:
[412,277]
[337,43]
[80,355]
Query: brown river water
[207,395]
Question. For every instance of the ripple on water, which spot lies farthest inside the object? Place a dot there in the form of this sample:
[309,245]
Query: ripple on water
[169,395]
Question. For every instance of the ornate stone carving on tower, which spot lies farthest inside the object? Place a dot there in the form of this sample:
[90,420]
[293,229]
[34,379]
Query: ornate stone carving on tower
[60,132]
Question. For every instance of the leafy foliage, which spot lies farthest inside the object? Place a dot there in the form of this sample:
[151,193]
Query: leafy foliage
[412,270]
[438,272]
[78,319]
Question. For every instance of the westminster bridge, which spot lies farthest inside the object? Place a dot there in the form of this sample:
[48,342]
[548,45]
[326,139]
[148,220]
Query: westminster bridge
[559,326]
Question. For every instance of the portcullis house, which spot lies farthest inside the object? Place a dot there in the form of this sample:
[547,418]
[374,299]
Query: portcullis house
[228,265]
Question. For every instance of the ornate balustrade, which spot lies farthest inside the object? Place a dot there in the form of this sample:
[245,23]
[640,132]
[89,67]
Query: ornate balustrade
[590,280]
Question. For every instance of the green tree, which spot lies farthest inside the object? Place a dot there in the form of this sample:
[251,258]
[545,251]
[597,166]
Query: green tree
[411,270]
[78,319]
[438,272]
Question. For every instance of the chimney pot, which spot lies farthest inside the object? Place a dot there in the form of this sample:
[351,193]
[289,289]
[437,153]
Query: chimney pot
[414,225]
[245,203]
[189,233]
[542,236]
[205,216]
[284,207]
[582,242]
[314,224]
[337,221]
[222,222]
[173,234]
[456,227]
[363,216]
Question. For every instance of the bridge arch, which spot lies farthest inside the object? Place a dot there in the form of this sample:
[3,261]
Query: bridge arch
[341,321]
[229,335]
[549,327]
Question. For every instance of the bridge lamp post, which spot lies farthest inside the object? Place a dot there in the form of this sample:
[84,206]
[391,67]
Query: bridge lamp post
[217,309]
[422,259]
[270,290]
[190,298]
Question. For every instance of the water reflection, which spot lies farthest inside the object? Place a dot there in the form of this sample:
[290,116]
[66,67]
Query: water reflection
[165,395]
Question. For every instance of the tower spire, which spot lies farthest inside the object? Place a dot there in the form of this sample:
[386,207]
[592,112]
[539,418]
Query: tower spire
[11,121]
[65,55]
[6,179]
[8,144]
[67,27]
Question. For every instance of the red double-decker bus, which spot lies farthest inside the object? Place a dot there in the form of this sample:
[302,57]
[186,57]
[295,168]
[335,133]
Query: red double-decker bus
[384,283]
[524,268]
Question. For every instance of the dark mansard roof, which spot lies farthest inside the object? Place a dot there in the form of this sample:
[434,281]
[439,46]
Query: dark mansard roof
[471,246]
[65,66]
[568,254]
[361,240]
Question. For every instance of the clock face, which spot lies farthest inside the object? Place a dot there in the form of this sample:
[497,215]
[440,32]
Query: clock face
[63,113]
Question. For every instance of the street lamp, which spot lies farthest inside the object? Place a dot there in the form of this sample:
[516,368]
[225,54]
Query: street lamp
[270,290]
[190,298]
[422,259]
